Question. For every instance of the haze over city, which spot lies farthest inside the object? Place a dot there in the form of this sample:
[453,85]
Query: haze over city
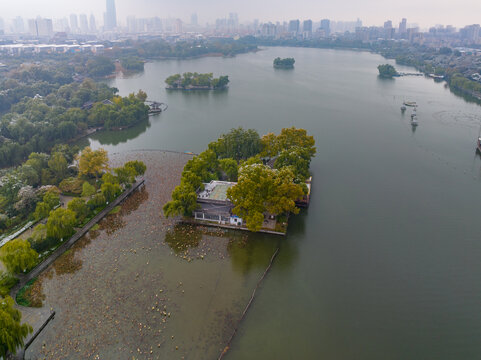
[426,13]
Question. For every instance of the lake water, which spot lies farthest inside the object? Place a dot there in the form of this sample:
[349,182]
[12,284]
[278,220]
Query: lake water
[386,262]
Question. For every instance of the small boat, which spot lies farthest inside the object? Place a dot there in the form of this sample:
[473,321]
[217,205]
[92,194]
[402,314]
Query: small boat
[403,108]
[410,103]
[478,145]
[414,120]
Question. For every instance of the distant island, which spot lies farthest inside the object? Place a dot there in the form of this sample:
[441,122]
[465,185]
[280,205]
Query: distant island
[196,81]
[387,71]
[287,63]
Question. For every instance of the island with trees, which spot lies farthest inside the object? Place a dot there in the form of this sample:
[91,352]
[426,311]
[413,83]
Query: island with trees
[259,181]
[287,63]
[387,71]
[196,81]
[56,195]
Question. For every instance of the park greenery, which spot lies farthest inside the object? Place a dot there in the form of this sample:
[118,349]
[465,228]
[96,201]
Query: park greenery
[88,178]
[99,186]
[194,81]
[287,63]
[36,124]
[12,331]
[387,71]
[132,63]
[270,173]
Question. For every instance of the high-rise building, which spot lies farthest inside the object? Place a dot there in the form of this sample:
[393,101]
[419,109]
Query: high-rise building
[388,30]
[44,27]
[307,29]
[74,23]
[326,26]
[132,24]
[178,26]
[471,33]
[2,26]
[233,21]
[92,24]
[193,20]
[32,27]
[307,26]
[40,27]
[294,26]
[403,27]
[84,24]
[110,16]
[18,26]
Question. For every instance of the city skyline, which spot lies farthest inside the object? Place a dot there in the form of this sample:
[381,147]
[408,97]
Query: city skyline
[426,13]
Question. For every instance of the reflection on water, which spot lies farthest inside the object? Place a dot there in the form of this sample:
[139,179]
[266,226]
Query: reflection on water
[114,222]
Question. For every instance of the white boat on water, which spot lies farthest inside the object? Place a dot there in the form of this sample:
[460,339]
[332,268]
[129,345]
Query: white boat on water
[414,120]
[410,103]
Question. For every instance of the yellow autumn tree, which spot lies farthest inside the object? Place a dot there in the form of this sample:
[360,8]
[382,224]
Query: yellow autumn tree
[93,163]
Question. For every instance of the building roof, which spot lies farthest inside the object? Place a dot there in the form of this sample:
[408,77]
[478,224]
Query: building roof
[215,190]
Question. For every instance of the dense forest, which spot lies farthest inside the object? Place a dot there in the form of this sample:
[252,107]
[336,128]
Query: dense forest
[42,106]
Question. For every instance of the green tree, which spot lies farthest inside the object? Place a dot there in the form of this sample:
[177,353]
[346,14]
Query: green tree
[12,331]
[97,201]
[58,165]
[138,166]
[110,191]
[50,200]
[125,175]
[18,256]
[29,175]
[184,201]
[238,144]
[387,71]
[79,207]
[88,189]
[60,223]
[262,190]
[230,168]
[297,159]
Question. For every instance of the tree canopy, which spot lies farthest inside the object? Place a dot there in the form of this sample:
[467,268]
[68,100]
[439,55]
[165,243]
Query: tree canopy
[12,331]
[262,190]
[287,63]
[93,163]
[387,71]
[18,256]
[60,223]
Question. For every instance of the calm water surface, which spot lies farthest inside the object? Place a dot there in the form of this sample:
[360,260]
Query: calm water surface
[386,262]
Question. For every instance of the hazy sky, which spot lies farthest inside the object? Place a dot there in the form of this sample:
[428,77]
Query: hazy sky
[372,12]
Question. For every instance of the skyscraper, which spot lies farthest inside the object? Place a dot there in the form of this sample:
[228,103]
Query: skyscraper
[294,27]
[84,24]
[307,29]
[326,26]
[92,24]
[307,26]
[73,23]
[403,27]
[110,16]
[194,20]
[18,25]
